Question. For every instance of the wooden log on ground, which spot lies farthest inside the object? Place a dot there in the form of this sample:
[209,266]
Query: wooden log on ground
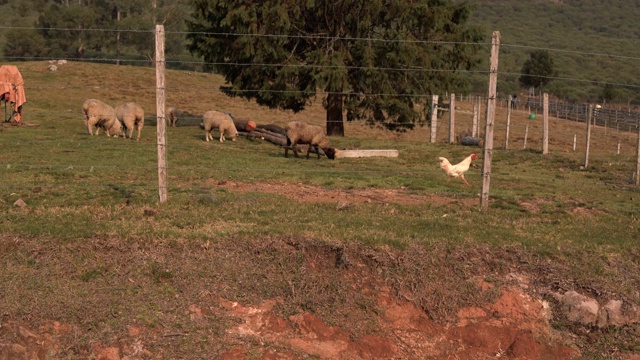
[274,139]
[272,128]
[366,153]
[244,124]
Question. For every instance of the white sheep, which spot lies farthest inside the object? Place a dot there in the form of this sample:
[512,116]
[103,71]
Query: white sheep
[300,133]
[100,115]
[131,116]
[172,116]
[223,122]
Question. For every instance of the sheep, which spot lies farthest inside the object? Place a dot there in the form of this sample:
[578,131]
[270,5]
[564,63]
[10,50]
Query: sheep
[116,129]
[224,123]
[300,133]
[100,115]
[172,116]
[131,115]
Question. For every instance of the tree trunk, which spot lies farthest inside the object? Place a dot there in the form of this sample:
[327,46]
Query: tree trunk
[335,123]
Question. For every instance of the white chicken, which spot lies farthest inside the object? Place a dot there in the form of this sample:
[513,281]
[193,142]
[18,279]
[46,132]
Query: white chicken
[458,169]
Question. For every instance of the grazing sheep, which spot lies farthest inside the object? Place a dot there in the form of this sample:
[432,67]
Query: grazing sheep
[301,133]
[223,122]
[172,116]
[116,129]
[100,115]
[131,115]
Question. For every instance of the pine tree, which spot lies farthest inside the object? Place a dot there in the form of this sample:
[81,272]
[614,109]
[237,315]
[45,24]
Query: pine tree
[375,59]
[538,70]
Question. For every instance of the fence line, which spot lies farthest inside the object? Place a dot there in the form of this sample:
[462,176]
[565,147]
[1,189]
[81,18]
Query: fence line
[489,120]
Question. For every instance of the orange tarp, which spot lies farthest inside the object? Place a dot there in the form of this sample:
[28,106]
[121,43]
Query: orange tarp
[11,82]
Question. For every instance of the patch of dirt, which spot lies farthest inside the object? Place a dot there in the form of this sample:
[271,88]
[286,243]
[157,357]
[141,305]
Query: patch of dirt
[514,327]
[384,323]
[311,193]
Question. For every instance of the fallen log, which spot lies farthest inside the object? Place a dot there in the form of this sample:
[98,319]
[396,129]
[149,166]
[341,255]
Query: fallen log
[244,124]
[366,153]
[272,128]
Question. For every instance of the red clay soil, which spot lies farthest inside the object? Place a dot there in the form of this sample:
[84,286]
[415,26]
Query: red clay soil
[515,326]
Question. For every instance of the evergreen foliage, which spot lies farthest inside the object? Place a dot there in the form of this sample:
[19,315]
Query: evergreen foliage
[538,70]
[360,54]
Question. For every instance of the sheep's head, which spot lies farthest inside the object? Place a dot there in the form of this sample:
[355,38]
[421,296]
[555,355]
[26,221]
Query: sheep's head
[330,152]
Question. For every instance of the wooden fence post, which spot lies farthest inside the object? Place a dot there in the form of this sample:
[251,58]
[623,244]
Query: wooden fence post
[160,110]
[506,138]
[491,114]
[586,153]
[434,117]
[545,124]
[452,118]
[474,123]
[638,161]
[526,135]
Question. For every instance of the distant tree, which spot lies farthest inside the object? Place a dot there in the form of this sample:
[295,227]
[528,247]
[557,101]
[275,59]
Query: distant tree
[111,26]
[538,70]
[77,20]
[25,44]
[608,93]
[375,59]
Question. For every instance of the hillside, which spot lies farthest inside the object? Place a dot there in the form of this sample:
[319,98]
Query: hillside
[592,43]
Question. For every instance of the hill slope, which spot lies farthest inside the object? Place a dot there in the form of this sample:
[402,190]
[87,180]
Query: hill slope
[592,43]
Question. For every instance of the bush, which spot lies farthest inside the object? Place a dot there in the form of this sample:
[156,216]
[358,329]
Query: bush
[24,44]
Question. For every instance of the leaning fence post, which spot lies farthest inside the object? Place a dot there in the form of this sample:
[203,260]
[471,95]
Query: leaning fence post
[491,114]
[160,106]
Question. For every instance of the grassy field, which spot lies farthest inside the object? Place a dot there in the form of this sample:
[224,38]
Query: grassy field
[94,247]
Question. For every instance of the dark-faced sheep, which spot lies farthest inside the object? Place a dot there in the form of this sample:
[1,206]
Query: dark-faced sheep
[172,116]
[131,116]
[100,115]
[300,133]
[221,121]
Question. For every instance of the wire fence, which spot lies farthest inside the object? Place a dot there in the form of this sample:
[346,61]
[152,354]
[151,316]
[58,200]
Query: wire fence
[624,122]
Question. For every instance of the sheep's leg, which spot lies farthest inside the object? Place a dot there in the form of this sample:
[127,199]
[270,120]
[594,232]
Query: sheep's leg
[91,122]
[139,130]
[294,147]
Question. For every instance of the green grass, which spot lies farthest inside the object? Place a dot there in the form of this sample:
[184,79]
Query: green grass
[96,244]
